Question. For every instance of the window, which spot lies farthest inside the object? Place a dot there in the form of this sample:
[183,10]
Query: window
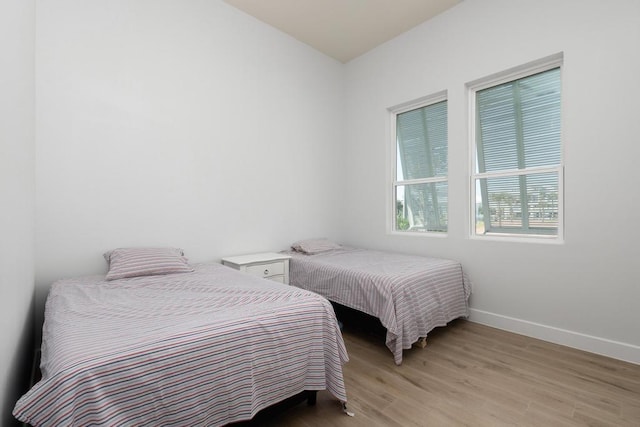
[420,188]
[517,183]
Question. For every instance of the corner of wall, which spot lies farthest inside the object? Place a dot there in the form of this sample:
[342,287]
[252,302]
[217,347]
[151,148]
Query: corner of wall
[20,370]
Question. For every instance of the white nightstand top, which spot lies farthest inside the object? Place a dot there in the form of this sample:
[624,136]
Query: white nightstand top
[255,258]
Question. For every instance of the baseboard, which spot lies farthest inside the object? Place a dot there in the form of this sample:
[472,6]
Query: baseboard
[617,350]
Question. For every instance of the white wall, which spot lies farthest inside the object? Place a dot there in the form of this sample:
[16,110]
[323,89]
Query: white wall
[17,21]
[178,123]
[584,292]
[191,124]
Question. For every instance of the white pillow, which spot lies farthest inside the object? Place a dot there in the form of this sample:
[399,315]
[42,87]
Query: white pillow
[314,246]
[134,262]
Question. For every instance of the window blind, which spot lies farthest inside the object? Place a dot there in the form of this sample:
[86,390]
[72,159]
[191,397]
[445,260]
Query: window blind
[422,142]
[422,149]
[518,146]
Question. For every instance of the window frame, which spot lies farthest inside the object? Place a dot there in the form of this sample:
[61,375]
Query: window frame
[526,70]
[393,170]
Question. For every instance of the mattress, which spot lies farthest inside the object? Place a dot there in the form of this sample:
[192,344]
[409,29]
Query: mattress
[201,349]
[411,295]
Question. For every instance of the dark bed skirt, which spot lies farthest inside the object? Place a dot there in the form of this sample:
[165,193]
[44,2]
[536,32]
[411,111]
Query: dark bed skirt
[273,411]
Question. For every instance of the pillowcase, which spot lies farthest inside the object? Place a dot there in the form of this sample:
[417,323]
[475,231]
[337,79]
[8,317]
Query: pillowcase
[134,262]
[314,246]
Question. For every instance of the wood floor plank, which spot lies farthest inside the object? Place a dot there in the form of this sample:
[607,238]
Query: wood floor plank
[472,375]
[542,383]
[600,389]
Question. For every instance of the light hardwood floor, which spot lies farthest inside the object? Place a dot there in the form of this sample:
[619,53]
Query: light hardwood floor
[472,375]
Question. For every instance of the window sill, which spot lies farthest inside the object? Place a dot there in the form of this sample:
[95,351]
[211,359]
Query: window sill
[435,234]
[520,238]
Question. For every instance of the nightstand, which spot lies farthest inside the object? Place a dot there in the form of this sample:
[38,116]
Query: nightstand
[269,265]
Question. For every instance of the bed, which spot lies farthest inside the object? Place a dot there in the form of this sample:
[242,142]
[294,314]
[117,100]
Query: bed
[205,347]
[411,295]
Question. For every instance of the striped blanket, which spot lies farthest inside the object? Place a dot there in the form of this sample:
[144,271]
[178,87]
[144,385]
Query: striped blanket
[201,349]
[410,295]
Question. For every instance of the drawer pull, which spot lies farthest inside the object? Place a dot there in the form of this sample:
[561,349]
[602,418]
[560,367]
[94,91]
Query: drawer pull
[266,272]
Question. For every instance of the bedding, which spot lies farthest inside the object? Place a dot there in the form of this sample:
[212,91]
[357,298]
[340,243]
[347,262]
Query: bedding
[205,348]
[410,295]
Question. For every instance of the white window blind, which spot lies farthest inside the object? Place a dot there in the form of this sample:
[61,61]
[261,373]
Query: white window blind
[518,170]
[421,188]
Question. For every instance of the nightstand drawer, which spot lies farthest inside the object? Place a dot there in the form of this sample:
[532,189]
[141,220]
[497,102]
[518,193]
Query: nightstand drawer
[267,270]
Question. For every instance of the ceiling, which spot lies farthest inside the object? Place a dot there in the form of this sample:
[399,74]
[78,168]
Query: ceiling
[343,29]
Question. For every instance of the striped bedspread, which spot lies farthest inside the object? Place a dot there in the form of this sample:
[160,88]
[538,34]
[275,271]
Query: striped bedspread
[193,349]
[410,295]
